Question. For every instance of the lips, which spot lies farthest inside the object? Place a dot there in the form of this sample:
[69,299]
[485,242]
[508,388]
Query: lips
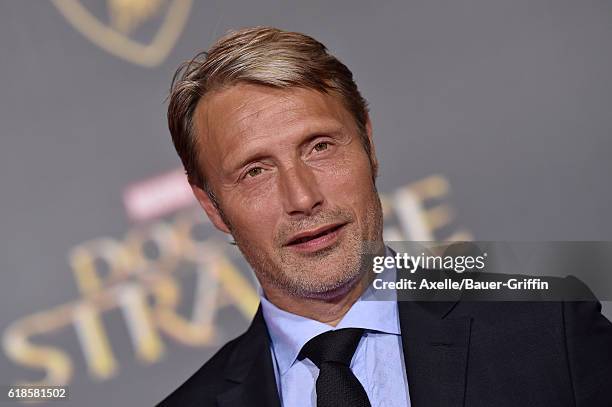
[314,234]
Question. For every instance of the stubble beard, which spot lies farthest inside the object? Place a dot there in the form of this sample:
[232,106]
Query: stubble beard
[324,274]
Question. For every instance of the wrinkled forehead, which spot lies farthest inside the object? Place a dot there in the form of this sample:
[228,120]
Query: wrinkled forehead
[231,116]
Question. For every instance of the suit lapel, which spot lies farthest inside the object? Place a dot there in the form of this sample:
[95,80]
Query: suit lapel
[250,368]
[435,353]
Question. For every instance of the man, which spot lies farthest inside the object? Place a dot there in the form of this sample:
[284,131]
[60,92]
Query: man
[278,148]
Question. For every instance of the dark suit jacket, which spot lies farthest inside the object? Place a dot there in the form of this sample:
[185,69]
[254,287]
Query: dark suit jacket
[457,353]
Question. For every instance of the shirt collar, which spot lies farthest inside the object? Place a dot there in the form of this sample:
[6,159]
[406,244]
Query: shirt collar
[290,332]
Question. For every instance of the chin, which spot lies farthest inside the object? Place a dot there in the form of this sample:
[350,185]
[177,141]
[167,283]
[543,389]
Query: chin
[337,292]
[327,290]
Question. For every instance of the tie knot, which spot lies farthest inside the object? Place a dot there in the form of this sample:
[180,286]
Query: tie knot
[333,346]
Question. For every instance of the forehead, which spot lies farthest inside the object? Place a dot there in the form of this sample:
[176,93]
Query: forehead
[245,111]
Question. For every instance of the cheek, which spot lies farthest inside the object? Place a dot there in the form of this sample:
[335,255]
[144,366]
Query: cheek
[255,218]
[349,177]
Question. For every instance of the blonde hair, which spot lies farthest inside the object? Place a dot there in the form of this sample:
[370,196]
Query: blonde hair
[263,56]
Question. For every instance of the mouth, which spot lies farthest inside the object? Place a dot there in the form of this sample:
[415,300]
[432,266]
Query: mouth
[316,239]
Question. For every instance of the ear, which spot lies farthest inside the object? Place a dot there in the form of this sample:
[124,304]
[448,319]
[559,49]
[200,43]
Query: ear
[209,207]
[373,158]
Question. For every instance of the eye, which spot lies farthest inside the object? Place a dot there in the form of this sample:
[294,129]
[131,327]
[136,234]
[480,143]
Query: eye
[321,146]
[253,172]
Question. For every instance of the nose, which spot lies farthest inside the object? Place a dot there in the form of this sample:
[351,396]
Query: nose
[301,192]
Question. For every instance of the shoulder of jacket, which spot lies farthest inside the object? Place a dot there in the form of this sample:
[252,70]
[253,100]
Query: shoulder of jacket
[202,387]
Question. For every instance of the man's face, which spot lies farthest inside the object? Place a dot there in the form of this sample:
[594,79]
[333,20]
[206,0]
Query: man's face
[294,184]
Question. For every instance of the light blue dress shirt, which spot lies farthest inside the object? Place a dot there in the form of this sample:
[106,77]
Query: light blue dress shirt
[378,362]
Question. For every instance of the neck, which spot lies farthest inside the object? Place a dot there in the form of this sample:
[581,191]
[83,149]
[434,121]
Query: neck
[329,309]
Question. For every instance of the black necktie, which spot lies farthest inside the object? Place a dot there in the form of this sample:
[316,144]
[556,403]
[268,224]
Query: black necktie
[332,352]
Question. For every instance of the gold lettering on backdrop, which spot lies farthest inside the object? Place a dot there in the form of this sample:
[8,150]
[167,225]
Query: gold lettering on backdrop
[109,252]
[145,278]
[54,362]
[420,219]
[94,342]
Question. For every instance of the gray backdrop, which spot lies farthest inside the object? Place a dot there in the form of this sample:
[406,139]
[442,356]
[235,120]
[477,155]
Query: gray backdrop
[509,101]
